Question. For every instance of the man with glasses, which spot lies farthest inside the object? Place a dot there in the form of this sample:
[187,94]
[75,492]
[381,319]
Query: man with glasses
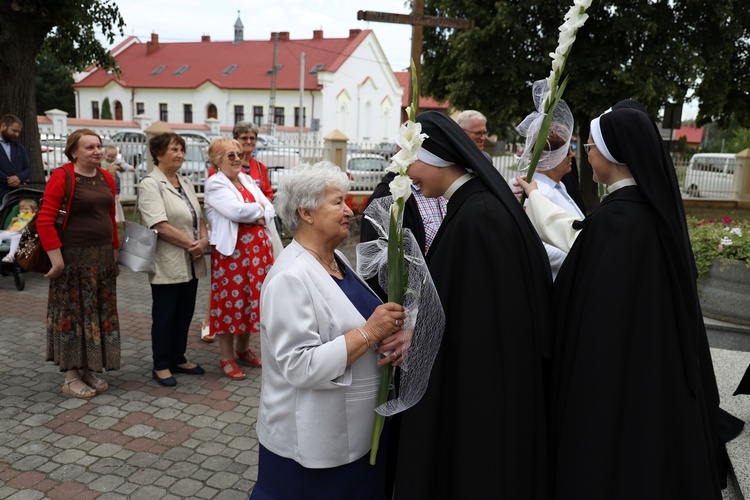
[474,124]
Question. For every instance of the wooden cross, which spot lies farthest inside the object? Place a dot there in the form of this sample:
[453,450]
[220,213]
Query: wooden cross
[417,19]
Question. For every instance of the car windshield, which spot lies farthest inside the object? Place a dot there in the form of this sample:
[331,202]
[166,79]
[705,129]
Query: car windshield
[194,153]
[367,164]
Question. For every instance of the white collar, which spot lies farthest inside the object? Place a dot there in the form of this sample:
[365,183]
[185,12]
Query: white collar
[629,181]
[457,184]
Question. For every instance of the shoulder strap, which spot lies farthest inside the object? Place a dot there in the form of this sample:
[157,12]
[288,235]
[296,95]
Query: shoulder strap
[62,213]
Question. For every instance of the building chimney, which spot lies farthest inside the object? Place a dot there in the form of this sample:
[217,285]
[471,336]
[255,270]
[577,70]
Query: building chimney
[354,32]
[283,36]
[153,45]
[205,38]
[317,34]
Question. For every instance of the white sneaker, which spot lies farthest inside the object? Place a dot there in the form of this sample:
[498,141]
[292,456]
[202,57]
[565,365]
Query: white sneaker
[8,258]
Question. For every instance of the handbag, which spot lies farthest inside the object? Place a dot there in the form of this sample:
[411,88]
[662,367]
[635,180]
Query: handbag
[139,247]
[30,255]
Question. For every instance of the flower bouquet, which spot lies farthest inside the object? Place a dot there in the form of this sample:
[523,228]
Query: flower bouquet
[396,259]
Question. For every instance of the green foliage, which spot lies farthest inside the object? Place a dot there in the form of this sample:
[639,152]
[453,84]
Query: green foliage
[641,49]
[106,109]
[740,140]
[53,83]
[725,239]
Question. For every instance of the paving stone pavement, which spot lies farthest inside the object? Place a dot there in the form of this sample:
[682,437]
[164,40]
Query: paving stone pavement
[137,440]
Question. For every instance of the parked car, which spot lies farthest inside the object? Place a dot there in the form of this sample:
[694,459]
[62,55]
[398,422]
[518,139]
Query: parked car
[365,170]
[195,136]
[131,143]
[710,175]
[275,154]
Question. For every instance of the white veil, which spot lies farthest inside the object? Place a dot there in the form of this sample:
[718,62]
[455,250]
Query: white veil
[424,312]
[561,125]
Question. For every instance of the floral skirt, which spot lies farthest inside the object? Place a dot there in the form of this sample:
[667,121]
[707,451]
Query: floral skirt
[83,329]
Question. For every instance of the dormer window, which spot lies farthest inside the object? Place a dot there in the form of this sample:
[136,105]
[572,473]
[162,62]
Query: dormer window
[158,70]
[229,70]
[317,68]
[182,69]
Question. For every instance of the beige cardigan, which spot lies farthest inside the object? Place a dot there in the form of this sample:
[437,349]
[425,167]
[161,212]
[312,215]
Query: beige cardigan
[159,201]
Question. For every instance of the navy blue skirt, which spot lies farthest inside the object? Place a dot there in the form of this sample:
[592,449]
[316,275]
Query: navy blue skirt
[282,478]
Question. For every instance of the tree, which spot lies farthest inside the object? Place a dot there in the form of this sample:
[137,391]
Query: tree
[650,50]
[106,109]
[53,84]
[68,26]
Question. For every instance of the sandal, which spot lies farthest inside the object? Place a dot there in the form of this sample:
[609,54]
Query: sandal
[95,382]
[235,373]
[84,393]
[206,335]
[250,358]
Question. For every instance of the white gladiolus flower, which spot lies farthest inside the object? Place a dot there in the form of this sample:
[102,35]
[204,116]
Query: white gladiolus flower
[411,136]
[583,3]
[400,187]
[401,161]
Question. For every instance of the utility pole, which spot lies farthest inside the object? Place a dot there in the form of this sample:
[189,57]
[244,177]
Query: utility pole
[301,115]
[272,98]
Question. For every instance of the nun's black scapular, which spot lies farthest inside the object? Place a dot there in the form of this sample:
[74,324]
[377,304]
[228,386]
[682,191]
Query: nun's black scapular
[633,390]
[479,431]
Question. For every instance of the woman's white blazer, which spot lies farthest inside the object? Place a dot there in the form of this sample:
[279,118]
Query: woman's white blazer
[313,408]
[225,209]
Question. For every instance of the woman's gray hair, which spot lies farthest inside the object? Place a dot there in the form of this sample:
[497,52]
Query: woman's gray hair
[304,187]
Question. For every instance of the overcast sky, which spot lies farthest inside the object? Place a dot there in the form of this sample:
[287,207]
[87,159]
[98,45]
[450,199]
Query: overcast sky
[187,20]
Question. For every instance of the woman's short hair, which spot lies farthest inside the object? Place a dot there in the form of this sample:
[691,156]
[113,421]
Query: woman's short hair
[243,127]
[159,144]
[73,139]
[305,187]
[219,147]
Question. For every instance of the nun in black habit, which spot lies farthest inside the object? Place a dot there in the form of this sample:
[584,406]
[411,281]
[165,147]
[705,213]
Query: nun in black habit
[479,431]
[633,409]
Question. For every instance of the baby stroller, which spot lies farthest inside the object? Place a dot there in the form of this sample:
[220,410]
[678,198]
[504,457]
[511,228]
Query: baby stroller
[8,210]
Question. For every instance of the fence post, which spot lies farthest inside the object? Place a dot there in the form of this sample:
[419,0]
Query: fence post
[334,148]
[59,121]
[156,128]
[741,184]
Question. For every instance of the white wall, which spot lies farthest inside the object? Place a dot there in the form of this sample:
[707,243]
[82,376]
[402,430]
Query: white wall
[365,77]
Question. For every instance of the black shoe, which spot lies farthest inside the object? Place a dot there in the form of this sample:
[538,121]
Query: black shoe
[196,370]
[166,382]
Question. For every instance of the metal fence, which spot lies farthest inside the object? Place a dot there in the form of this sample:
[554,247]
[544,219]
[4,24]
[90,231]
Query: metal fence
[365,164]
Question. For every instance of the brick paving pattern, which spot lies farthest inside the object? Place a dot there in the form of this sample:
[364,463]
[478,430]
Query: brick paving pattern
[138,440]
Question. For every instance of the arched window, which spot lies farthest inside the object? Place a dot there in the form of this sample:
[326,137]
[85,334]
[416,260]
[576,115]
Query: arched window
[211,111]
[118,110]
[367,136]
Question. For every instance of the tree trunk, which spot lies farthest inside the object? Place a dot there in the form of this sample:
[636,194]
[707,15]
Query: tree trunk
[21,37]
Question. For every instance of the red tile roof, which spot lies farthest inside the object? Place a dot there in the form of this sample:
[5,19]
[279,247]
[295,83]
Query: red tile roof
[692,134]
[206,61]
[424,102]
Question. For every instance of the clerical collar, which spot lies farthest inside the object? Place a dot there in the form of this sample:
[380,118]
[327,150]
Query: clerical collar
[457,184]
[621,184]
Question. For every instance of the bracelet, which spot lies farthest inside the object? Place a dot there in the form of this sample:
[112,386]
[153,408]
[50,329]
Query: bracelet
[364,336]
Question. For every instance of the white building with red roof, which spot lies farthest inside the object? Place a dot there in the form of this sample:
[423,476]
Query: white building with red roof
[347,84]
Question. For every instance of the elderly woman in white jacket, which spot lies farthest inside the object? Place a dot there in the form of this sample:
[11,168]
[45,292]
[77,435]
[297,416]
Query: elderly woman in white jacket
[238,214]
[320,324]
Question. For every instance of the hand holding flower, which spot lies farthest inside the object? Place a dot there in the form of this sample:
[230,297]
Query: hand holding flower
[386,320]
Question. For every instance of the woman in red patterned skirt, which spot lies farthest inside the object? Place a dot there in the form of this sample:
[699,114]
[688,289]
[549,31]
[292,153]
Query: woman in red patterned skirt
[238,214]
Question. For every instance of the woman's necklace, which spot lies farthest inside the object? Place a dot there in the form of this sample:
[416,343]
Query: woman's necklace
[334,268]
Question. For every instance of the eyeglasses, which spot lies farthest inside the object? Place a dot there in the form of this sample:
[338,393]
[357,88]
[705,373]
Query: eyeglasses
[246,138]
[481,133]
[587,147]
[234,156]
